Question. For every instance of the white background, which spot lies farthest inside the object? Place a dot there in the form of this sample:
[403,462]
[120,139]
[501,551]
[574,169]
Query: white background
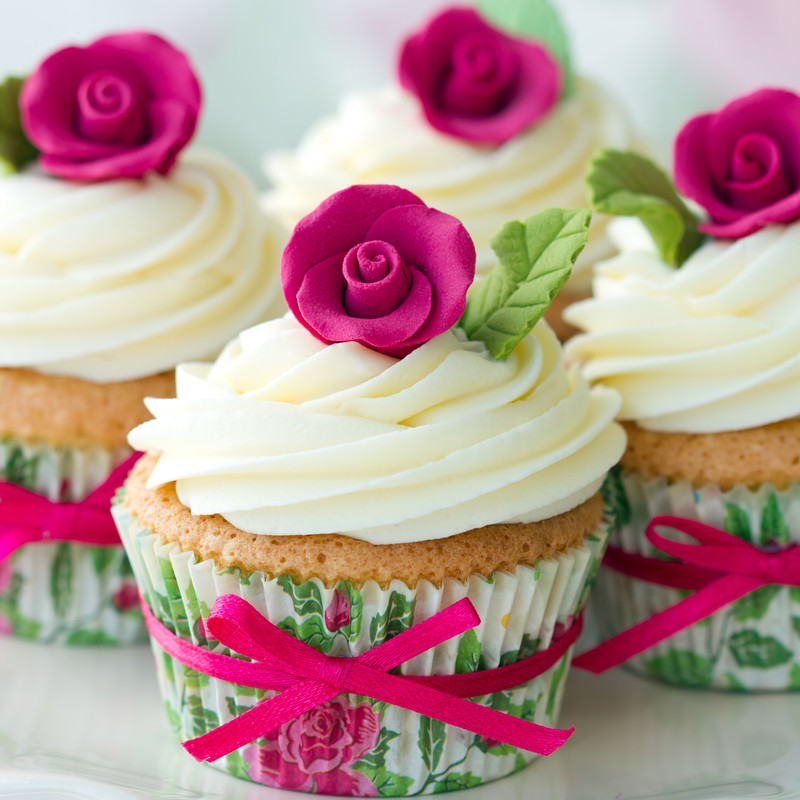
[270,67]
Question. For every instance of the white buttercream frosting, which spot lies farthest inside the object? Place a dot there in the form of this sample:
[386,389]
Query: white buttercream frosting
[712,346]
[286,435]
[381,136]
[125,278]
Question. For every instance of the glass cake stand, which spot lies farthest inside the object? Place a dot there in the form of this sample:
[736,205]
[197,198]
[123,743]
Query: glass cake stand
[88,723]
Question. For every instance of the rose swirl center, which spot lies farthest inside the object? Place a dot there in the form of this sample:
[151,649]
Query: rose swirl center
[756,178]
[108,109]
[480,78]
[377,280]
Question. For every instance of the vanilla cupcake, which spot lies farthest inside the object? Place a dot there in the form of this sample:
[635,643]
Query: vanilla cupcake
[484,125]
[118,259]
[705,357]
[361,464]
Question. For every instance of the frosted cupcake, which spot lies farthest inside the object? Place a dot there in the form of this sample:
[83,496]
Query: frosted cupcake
[363,463]
[485,125]
[118,259]
[701,339]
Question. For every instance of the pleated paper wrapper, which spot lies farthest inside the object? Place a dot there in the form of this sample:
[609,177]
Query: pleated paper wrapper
[64,592]
[752,644]
[354,745]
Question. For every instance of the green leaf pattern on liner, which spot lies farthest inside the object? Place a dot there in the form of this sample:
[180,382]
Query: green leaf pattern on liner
[681,667]
[413,755]
[629,185]
[535,259]
[533,19]
[15,148]
[751,644]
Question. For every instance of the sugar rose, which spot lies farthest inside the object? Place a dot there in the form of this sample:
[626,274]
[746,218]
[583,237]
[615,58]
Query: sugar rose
[742,164]
[476,82]
[122,106]
[373,264]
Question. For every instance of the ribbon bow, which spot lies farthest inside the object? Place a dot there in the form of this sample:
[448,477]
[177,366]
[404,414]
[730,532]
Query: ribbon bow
[27,517]
[721,568]
[307,678]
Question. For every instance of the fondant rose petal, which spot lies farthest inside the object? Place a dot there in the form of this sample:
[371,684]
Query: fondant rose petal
[335,226]
[742,164]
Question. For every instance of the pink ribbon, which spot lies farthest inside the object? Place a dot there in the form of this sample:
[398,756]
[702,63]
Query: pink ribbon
[721,568]
[307,678]
[27,517]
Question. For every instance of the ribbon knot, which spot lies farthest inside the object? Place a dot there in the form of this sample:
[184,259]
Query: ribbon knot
[335,671]
[27,517]
[720,569]
[306,678]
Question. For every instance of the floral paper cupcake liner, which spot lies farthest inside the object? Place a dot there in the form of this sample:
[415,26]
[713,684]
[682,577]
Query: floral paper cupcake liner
[66,592]
[753,643]
[354,745]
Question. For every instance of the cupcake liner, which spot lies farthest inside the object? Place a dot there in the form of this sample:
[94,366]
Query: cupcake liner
[371,748]
[752,644]
[65,592]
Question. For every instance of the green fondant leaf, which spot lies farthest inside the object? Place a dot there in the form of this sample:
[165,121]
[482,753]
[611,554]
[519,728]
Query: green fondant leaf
[535,260]
[681,667]
[773,524]
[533,19]
[750,649]
[15,148]
[737,523]
[629,185]
[754,605]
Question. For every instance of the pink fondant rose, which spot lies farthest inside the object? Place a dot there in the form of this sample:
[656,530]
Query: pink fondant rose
[374,265]
[122,106]
[742,164]
[315,751]
[476,82]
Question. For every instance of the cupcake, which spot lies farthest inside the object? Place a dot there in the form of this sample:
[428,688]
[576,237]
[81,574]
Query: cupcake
[384,450]
[483,124]
[119,257]
[700,337]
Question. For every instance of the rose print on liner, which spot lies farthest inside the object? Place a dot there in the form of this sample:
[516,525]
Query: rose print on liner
[316,750]
[337,614]
[120,107]
[373,264]
[476,82]
[742,164]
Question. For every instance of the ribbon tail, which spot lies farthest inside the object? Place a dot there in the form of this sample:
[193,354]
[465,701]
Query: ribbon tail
[660,626]
[466,715]
[259,721]
[11,540]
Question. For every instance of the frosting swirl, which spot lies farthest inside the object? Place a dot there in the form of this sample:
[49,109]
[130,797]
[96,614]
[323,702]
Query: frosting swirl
[287,435]
[382,137]
[117,280]
[713,346]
